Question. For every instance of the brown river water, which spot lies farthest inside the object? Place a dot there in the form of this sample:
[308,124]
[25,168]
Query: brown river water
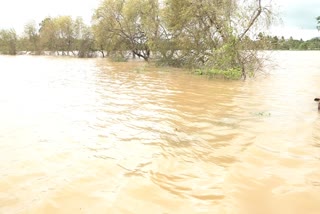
[94,136]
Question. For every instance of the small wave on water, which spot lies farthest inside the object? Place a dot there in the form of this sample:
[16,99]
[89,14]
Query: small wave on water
[99,136]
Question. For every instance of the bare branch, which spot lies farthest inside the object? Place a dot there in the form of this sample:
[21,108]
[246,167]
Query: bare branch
[253,20]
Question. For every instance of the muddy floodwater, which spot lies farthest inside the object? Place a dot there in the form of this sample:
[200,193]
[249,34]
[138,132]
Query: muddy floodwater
[94,136]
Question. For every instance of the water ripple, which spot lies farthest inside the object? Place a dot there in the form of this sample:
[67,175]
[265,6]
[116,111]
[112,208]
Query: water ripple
[115,135]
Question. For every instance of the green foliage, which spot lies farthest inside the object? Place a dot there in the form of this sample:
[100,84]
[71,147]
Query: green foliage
[47,33]
[191,33]
[169,62]
[289,44]
[83,39]
[118,58]
[232,73]
[31,39]
[126,26]
[64,35]
[214,36]
[8,42]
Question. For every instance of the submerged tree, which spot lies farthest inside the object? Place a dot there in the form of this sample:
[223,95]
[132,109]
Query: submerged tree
[217,37]
[8,42]
[48,35]
[64,35]
[107,28]
[126,25]
[84,39]
[32,38]
[213,35]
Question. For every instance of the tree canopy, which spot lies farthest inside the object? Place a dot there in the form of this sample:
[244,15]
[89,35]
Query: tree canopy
[8,42]
[194,33]
[64,35]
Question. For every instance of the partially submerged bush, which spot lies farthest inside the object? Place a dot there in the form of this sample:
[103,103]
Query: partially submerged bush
[232,74]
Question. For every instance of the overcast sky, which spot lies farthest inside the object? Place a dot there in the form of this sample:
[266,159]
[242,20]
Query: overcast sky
[298,15]
[16,13]
[298,18]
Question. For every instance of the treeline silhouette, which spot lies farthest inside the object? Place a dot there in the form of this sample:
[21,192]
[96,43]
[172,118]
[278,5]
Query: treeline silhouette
[280,43]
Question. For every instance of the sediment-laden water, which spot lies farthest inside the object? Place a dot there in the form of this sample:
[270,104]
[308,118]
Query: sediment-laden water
[94,136]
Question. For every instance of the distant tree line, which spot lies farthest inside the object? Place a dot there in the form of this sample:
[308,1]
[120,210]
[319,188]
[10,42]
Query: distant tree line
[208,35]
[280,43]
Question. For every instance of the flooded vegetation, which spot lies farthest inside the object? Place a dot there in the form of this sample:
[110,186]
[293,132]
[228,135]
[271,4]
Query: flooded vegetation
[204,35]
[94,136]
